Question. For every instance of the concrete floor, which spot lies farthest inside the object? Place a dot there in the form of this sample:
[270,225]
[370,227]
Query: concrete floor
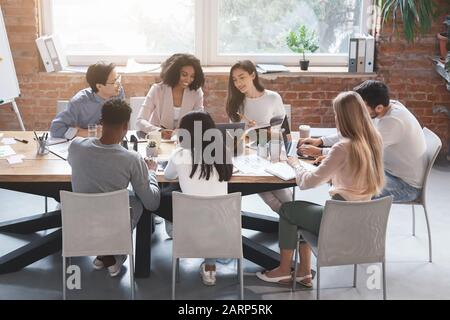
[409,275]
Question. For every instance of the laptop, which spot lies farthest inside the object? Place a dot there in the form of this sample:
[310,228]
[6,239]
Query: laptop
[223,127]
[229,129]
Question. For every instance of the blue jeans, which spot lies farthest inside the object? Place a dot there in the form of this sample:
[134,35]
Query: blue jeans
[399,189]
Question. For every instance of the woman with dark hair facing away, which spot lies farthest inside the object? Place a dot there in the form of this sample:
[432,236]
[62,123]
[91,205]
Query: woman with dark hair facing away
[198,175]
[248,101]
[179,93]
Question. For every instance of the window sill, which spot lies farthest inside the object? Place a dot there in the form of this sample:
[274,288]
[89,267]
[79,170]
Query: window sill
[333,72]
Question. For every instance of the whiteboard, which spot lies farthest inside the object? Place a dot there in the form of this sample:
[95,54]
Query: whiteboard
[9,86]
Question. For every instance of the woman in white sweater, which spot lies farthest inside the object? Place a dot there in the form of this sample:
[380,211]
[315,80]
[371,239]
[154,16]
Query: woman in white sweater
[249,101]
[355,168]
[179,92]
[198,175]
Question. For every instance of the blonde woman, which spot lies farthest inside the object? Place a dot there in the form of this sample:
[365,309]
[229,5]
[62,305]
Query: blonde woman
[355,168]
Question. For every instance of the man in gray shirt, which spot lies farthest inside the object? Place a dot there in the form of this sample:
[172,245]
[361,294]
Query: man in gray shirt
[85,107]
[103,165]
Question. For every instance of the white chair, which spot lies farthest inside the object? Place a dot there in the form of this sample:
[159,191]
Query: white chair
[135,104]
[434,145]
[350,233]
[206,227]
[96,224]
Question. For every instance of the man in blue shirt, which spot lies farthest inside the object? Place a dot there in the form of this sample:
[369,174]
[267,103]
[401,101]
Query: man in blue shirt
[85,107]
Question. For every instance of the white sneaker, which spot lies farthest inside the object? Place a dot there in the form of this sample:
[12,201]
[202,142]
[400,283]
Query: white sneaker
[98,264]
[158,219]
[169,227]
[115,269]
[208,277]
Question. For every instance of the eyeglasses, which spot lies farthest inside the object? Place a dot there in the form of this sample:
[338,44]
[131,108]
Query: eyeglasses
[116,82]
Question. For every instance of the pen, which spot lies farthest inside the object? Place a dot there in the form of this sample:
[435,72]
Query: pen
[37,139]
[21,140]
[56,154]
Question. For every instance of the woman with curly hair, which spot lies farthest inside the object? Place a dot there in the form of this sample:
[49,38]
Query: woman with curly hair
[179,92]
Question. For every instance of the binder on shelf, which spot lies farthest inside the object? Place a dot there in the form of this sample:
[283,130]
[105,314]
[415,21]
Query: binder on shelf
[353,55]
[51,57]
[361,62]
[370,53]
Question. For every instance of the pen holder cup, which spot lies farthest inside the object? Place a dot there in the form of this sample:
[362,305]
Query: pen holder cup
[42,147]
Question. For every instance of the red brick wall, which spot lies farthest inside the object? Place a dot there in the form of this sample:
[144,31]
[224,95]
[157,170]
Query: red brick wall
[407,69]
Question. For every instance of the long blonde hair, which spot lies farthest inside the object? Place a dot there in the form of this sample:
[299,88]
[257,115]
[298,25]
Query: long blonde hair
[366,150]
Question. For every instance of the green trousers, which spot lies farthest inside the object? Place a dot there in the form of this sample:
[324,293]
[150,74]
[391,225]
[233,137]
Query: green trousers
[299,214]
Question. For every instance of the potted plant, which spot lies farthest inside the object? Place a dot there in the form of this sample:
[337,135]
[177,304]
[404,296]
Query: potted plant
[152,148]
[302,41]
[417,15]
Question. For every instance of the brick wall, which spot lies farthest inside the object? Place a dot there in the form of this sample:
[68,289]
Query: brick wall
[406,68]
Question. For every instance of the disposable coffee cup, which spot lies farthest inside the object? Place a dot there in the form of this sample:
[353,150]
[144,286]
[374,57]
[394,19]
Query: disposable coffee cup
[305,131]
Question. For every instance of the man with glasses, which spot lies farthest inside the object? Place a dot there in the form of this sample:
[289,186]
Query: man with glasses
[85,107]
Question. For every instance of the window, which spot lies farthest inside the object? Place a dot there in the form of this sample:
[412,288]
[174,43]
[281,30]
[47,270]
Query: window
[217,31]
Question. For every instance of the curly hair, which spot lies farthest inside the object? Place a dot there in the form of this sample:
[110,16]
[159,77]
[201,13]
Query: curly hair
[171,68]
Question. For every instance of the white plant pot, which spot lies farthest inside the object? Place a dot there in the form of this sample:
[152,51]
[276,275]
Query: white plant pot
[151,152]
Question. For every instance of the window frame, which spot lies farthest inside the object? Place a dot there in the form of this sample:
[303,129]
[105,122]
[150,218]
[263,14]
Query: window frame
[206,49]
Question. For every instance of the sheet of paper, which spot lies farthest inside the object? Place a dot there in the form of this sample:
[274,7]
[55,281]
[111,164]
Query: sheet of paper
[51,141]
[6,151]
[15,159]
[61,149]
[252,165]
[8,141]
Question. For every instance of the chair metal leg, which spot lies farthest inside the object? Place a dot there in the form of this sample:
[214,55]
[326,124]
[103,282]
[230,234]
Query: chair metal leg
[241,279]
[430,248]
[46,204]
[177,268]
[131,257]
[384,280]
[293,193]
[294,282]
[64,277]
[413,221]
[238,267]
[174,277]
[355,275]
[318,283]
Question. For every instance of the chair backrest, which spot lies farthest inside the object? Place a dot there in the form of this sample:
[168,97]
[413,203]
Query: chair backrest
[207,227]
[434,145]
[353,232]
[61,105]
[135,104]
[95,224]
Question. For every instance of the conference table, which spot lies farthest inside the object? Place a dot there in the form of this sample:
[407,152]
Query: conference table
[46,175]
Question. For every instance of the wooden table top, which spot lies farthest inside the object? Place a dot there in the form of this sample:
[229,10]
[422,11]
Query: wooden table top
[50,168]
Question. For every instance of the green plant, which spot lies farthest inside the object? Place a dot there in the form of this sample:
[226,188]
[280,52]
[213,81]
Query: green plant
[417,15]
[151,144]
[302,41]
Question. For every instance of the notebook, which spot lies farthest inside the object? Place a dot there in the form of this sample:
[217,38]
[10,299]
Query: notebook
[284,171]
[281,170]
